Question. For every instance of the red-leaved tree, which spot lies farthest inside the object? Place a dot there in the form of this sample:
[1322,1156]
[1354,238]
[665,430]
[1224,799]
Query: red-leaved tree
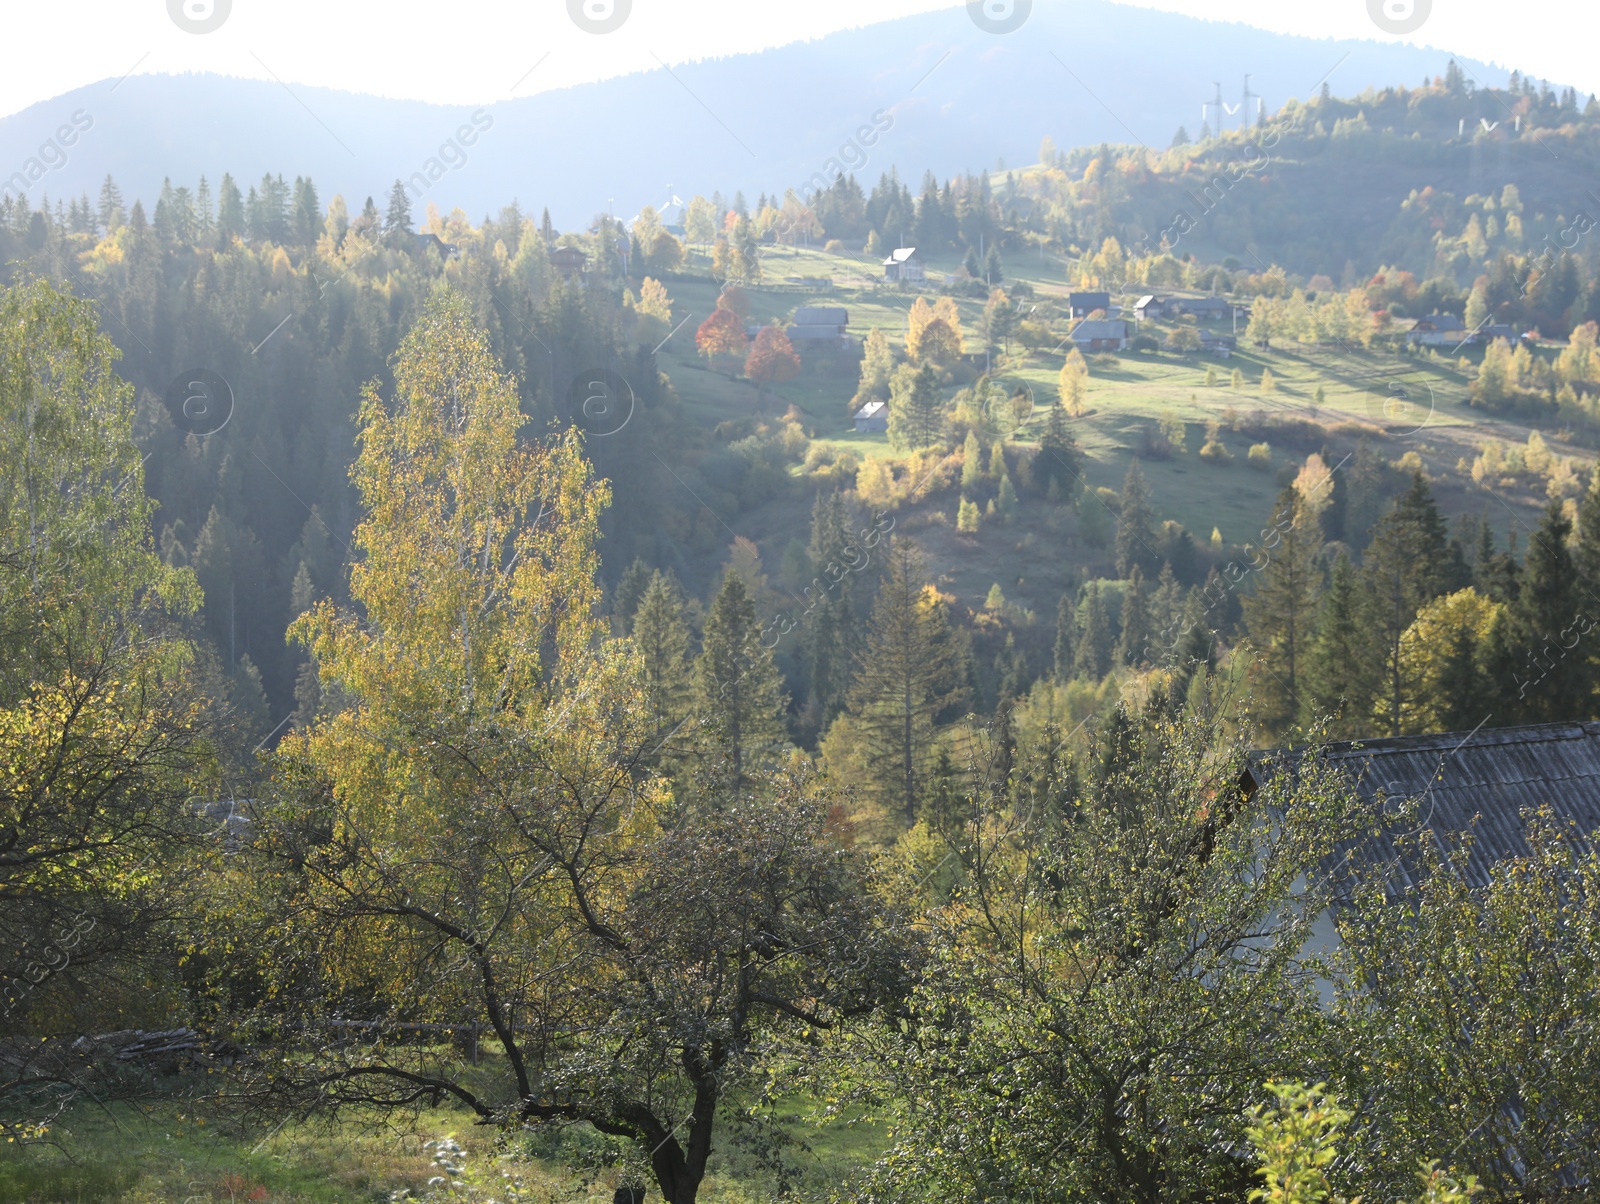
[721,334]
[772,360]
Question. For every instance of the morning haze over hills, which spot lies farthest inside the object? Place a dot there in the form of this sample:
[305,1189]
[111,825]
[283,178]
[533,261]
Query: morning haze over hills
[1085,73]
[930,616]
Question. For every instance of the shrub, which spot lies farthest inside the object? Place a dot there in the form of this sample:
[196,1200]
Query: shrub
[833,246]
[1260,456]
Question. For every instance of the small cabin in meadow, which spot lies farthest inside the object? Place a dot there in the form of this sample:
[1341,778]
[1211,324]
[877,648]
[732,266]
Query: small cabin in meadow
[1438,330]
[873,417]
[904,266]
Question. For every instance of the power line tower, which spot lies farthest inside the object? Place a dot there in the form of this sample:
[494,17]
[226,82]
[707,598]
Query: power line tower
[1204,129]
[1244,104]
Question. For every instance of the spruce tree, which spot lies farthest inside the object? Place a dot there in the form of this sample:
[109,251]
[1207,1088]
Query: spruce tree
[1194,649]
[397,221]
[1135,523]
[661,635]
[830,632]
[738,695]
[909,672]
[1340,668]
[111,212]
[1066,647]
[1060,459]
[1408,564]
[916,410]
[1586,562]
[1095,644]
[1544,625]
[1166,612]
[1363,496]
[635,580]
[1134,640]
[1010,674]
[1281,611]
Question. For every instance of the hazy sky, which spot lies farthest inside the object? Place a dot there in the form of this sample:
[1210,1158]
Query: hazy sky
[487,50]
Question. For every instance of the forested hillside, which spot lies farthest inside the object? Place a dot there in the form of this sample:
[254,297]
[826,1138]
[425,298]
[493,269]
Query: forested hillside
[669,704]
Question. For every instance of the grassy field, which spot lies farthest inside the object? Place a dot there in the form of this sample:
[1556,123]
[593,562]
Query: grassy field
[175,1151]
[1400,403]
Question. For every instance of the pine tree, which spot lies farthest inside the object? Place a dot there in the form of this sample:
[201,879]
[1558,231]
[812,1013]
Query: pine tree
[1094,645]
[1066,647]
[1408,564]
[738,695]
[1136,523]
[661,634]
[1340,669]
[909,672]
[1281,612]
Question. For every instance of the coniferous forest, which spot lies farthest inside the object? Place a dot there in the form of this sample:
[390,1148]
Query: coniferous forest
[505,713]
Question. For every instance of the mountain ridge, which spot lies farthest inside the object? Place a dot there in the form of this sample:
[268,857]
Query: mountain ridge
[960,100]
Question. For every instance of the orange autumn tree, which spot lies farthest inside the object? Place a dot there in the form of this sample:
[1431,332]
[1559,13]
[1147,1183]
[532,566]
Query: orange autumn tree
[721,334]
[772,360]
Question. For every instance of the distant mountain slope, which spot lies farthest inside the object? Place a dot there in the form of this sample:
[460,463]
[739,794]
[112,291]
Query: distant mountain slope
[959,99]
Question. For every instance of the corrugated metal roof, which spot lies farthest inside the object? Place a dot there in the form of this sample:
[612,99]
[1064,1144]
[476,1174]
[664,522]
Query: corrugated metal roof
[1484,783]
[822,315]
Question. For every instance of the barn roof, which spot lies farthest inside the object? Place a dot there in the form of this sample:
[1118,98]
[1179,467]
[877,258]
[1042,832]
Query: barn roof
[821,315]
[1483,782]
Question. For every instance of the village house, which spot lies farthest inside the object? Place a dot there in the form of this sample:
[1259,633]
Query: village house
[1149,307]
[1204,308]
[873,417]
[1105,334]
[1081,305]
[904,266]
[820,330]
[1482,784]
[1438,330]
[571,263]
[429,240]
